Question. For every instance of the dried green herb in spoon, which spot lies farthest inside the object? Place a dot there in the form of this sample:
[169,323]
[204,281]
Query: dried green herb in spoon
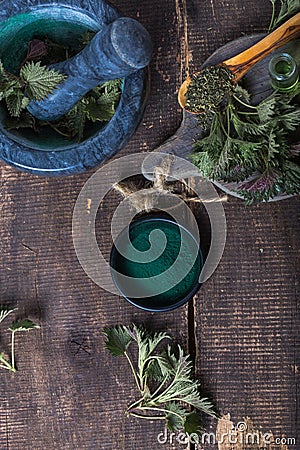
[208,88]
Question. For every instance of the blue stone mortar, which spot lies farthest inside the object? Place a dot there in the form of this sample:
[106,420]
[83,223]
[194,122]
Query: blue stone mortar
[120,49]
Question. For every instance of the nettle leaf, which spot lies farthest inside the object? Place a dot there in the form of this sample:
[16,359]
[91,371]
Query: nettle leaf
[5,311]
[239,91]
[8,82]
[112,87]
[245,129]
[192,425]
[25,102]
[101,111]
[176,416]
[291,120]
[265,109]
[247,153]
[154,371]
[291,178]
[9,87]
[25,120]
[261,183]
[237,173]
[201,403]
[244,141]
[5,76]
[154,340]
[117,340]
[40,81]
[102,102]
[76,119]
[273,147]
[14,102]
[36,49]
[262,187]
[183,387]
[177,390]
[213,143]
[204,162]
[147,343]
[23,325]
[287,9]
[169,361]
[162,367]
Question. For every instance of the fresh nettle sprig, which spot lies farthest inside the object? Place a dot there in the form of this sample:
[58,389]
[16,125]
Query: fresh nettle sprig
[287,9]
[17,326]
[35,82]
[98,105]
[245,140]
[253,145]
[163,377]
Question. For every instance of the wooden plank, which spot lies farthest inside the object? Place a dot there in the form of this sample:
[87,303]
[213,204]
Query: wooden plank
[246,315]
[213,23]
[247,319]
[69,392]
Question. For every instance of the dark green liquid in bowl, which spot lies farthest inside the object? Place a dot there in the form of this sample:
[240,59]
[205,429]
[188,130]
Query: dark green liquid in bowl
[174,249]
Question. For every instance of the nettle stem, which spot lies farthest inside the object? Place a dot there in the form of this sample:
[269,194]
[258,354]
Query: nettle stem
[5,364]
[273,17]
[159,387]
[141,416]
[243,103]
[13,351]
[167,411]
[133,371]
[135,404]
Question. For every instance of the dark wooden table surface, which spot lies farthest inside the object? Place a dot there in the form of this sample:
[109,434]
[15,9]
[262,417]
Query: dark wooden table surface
[242,328]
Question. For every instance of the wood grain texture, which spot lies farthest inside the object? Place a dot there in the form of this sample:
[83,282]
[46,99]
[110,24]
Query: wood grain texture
[69,393]
[247,319]
[247,315]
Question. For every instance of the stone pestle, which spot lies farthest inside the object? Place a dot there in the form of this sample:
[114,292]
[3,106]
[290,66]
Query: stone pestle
[118,50]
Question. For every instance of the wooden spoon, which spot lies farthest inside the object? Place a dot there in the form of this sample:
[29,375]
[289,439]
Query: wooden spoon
[240,64]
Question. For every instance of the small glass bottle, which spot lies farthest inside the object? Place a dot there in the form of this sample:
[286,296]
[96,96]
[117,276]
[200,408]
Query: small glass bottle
[283,72]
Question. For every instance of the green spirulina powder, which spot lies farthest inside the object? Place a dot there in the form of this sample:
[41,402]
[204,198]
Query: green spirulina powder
[186,252]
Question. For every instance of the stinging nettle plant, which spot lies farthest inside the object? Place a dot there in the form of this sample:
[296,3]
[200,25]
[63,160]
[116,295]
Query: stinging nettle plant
[287,9]
[253,145]
[163,378]
[17,326]
[36,81]
[245,140]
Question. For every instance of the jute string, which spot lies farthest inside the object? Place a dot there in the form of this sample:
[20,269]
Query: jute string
[142,194]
